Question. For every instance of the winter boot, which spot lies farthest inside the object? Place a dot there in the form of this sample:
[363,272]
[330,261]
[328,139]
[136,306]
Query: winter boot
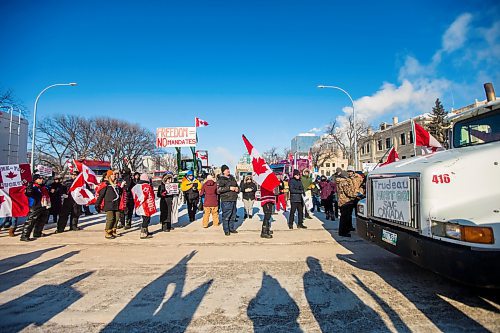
[119,225]
[109,234]
[301,226]
[26,232]
[264,233]
[327,215]
[128,224]
[145,234]
[114,232]
[11,232]
[164,227]
[74,225]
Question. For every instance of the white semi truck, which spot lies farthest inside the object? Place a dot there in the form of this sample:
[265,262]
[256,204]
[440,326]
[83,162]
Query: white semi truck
[442,211]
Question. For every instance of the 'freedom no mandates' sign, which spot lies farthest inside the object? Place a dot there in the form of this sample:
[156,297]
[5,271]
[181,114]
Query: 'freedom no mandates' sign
[391,198]
[169,137]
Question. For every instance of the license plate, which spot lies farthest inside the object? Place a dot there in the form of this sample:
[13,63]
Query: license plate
[389,237]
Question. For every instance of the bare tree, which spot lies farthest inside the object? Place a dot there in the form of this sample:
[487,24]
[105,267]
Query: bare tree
[343,136]
[323,150]
[102,138]
[7,98]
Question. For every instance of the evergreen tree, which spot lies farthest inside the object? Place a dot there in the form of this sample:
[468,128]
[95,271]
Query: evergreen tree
[437,126]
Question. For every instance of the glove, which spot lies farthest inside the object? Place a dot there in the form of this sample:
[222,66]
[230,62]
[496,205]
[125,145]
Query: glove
[64,196]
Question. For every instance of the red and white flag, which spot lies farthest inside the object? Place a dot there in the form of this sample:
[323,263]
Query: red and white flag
[144,200]
[13,181]
[80,193]
[70,166]
[262,173]
[88,175]
[425,139]
[392,157]
[200,122]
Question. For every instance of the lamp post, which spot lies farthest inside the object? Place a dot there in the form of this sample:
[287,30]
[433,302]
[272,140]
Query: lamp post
[353,120]
[34,118]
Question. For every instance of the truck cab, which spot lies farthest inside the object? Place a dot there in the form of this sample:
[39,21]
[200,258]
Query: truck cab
[442,211]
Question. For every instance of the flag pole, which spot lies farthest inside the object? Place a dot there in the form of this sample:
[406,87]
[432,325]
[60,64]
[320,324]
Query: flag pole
[382,158]
[414,138]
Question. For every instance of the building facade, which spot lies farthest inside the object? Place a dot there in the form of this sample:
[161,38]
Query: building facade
[398,134]
[303,142]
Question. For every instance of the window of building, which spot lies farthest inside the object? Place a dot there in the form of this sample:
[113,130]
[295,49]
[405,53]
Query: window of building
[402,139]
[327,165]
[333,165]
[367,148]
[403,157]
[362,150]
[379,144]
[322,172]
[328,172]
[388,143]
[342,166]
[411,136]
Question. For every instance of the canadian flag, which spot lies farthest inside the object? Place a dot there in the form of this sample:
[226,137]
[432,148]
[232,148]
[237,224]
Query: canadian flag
[70,166]
[80,193]
[392,157]
[144,200]
[200,122]
[13,181]
[88,175]
[262,173]
[425,139]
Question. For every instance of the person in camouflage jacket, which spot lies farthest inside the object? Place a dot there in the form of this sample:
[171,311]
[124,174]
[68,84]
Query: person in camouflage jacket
[347,193]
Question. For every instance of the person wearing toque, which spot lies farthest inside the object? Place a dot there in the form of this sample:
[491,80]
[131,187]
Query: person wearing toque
[228,189]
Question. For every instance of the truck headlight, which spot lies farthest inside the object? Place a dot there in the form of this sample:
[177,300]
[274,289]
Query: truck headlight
[453,231]
[361,208]
[471,234]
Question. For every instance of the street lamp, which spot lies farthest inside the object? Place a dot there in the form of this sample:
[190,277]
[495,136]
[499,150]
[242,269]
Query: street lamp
[353,120]
[34,118]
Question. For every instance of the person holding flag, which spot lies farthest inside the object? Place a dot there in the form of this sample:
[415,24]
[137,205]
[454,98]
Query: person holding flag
[269,186]
[70,208]
[144,200]
[39,203]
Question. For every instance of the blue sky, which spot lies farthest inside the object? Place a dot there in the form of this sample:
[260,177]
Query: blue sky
[248,66]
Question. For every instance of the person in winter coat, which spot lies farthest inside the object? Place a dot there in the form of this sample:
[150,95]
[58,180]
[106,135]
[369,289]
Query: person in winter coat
[296,201]
[347,193]
[121,182]
[287,189]
[168,193]
[326,193]
[281,198]
[39,202]
[110,195]
[70,209]
[144,202]
[248,188]
[191,187]
[308,185]
[267,201]
[316,195]
[128,183]
[55,192]
[228,189]
[211,205]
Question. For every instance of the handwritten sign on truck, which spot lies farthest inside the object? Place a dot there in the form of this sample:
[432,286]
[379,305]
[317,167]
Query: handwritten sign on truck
[391,198]
[168,137]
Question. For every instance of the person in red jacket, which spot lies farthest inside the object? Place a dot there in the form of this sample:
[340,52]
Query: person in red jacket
[211,204]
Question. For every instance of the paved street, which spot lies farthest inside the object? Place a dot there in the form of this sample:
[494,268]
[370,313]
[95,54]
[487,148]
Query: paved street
[198,280]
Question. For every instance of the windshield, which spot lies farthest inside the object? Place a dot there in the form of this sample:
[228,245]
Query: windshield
[478,130]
